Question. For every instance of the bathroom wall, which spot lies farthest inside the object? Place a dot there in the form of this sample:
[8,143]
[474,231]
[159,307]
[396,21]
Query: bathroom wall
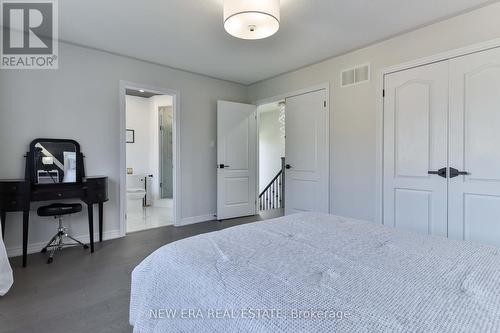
[138,112]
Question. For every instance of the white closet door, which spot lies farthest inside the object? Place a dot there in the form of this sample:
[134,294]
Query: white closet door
[306,146]
[474,199]
[415,142]
[236,160]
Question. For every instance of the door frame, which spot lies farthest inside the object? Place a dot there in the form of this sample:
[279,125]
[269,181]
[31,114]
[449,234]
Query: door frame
[379,140]
[176,148]
[277,98]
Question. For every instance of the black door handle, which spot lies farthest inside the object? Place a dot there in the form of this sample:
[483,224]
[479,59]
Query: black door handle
[222,166]
[441,172]
[288,166]
[455,173]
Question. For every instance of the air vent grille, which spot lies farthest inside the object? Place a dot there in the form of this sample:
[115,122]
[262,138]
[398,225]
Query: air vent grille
[355,75]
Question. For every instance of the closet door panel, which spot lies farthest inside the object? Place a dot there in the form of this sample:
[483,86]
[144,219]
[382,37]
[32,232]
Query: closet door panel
[474,199]
[415,142]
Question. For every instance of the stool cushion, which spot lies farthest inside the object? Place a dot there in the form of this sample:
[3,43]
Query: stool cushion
[58,209]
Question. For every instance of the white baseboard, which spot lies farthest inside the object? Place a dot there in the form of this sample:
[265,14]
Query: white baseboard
[197,219]
[36,247]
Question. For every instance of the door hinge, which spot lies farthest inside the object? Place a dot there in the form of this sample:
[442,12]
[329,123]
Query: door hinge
[383,93]
[324,104]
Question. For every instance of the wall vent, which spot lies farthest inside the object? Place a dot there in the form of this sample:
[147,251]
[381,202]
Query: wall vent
[355,75]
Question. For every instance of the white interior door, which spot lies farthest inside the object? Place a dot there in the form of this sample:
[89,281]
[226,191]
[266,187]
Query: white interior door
[474,199]
[306,153]
[415,142]
[236,159]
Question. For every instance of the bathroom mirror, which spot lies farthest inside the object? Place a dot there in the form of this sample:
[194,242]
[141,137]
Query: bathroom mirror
[55,161]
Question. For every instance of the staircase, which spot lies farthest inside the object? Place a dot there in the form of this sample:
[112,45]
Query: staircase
[273,195]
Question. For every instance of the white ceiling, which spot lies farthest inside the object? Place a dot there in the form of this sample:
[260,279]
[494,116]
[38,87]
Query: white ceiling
[189,34]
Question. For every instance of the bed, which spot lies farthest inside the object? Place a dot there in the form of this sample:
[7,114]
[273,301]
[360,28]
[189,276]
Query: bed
[317,273]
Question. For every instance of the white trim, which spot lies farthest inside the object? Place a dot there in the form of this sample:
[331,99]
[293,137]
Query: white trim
[257,156]
[444,56]
[197,219]
[323,86]
[37,247]
[379,143]
[281,97]
[460,52]
[176,128]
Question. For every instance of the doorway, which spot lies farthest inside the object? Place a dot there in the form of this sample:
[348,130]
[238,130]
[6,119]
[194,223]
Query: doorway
[148,191]
[271,124]
[305,169]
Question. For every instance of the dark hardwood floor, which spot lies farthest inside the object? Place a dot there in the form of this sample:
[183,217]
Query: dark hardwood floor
[80,292]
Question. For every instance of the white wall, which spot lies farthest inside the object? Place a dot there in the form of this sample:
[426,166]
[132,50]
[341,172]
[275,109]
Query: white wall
[139,112]
[353,109]
[81,101]
[271,147]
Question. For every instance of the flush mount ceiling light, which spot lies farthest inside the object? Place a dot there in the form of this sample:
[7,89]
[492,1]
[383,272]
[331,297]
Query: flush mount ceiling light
[251,19]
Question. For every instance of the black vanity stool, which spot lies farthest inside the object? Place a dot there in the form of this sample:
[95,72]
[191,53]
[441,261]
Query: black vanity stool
[57,210]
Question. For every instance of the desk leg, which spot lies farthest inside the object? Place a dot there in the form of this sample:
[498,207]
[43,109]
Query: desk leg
[26,221]
[3,215]
[101,208]
[91,226]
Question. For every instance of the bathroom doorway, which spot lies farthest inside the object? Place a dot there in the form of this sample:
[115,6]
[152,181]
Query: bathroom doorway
[149,159]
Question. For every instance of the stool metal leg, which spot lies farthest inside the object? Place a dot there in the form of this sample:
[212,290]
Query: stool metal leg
[56,243]
[54,248]
[49,243]
[85,246]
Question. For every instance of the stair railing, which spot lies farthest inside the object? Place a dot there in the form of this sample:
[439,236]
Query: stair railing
[272,197]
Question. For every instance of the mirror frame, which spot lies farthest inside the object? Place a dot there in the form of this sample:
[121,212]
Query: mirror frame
[30,162]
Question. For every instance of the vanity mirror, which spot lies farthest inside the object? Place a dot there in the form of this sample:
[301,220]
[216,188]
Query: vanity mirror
[55,161]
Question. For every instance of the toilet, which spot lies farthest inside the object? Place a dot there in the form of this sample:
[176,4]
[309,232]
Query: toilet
[135,193]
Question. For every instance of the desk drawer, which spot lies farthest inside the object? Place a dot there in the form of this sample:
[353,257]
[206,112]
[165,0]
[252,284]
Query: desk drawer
[96,195]
[96,183]
[13,188]
[14,203]
[56,194]
[69,194]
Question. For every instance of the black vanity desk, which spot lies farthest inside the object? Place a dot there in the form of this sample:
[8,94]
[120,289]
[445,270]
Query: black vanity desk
[17,194]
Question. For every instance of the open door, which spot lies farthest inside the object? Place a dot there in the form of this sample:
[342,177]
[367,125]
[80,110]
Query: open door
[236,160]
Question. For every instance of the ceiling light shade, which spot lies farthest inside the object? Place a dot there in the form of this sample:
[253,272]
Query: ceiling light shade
[251,19]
